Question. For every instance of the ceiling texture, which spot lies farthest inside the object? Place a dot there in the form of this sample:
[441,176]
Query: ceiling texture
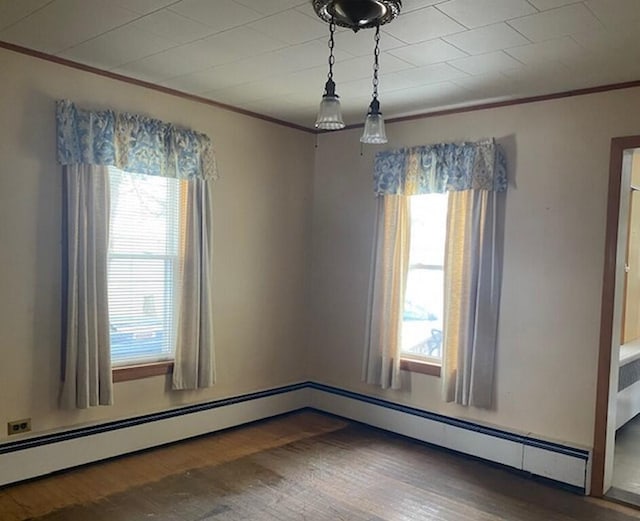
[270,56]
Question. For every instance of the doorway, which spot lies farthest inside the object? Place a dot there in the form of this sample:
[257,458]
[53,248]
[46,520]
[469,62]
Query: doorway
[616,455]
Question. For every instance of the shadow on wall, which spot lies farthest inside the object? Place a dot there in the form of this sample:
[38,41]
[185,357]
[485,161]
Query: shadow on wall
[508,144]
[38,141]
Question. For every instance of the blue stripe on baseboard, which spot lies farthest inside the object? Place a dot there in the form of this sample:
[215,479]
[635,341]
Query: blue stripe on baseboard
[189,409]
[138,420]
[463,424]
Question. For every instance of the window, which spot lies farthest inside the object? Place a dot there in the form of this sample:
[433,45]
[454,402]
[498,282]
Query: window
[143,266]
[422,322]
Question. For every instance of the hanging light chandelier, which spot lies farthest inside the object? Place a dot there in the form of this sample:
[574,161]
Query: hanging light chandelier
[355,15]
[329,115]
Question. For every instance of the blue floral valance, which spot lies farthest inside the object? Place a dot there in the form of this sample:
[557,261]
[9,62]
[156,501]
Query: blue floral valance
[440,168]
[133,143]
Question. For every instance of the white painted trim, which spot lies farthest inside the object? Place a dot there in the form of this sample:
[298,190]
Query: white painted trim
[58,455]
[522,454]
[46,454]
[627,404]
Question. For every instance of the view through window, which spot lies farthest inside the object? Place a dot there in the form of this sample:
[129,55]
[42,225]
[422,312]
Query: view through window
[143,266]
[423,306]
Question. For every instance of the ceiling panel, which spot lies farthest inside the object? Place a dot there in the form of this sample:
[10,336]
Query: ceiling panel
[300,57]
[488,86]
[223,14]
[225,47]
[117,47]
[433,51]
[434,73]
[222,76]
[412,5]
[239,43]
[486,63]
[144,6]
[421,25]
[602,41]
[544,5]
[172,26]
[362,67]
[433,96]
[12,11]
[476,13]
[65,23]
[267,7]
[616,13]
[291,27]
[360,43]
[562,49]
[563,21]
[167,64]
[486,39]
[270,56]
[199,82]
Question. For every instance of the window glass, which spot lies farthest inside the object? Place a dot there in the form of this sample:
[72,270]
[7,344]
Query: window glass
[143,266]
[423,306]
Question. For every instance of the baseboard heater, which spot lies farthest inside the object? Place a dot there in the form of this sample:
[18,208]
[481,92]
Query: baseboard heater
[36,456]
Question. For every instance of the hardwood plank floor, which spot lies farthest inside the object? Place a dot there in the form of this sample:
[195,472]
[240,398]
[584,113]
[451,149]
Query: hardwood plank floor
[305,466]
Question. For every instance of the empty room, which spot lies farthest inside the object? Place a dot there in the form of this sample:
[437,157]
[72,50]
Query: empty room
[319,259]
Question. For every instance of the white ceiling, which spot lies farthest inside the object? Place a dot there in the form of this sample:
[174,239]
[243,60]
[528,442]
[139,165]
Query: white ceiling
[270,56]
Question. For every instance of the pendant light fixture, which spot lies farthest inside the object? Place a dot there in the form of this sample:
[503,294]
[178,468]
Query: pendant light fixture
[329,115]
[374,132]
[355,15]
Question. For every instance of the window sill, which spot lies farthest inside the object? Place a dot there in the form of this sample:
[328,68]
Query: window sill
[136,372]
[420,366]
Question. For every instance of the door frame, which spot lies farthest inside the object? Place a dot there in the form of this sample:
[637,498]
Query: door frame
[618,147]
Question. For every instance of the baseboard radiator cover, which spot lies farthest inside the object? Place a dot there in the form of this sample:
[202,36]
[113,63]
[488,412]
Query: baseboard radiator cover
[35,456]
[562,465]
[40,455]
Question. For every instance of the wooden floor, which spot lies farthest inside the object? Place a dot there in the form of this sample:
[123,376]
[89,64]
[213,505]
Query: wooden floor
[304,466]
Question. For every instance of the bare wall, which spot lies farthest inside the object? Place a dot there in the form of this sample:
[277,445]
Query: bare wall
[558,159]
[279,220]
[261,239]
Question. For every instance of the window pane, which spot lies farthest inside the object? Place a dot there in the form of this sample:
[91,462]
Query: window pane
[144,213]
[428,229]
[143,263]
[422,319]
[423,306]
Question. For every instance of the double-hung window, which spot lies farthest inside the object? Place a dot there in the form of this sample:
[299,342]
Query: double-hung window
[435,282]
[143,266]
[422,319]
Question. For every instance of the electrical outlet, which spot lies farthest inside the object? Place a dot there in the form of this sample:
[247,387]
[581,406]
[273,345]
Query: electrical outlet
[19,426]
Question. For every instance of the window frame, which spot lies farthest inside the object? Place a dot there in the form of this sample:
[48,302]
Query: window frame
[138,369]
[124,373]
[422,364]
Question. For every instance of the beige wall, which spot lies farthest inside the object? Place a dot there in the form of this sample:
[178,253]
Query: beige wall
[558,158]
[270,236]
[261,238]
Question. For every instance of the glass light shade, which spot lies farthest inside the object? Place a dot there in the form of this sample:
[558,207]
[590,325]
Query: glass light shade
[329,115]
[374,133]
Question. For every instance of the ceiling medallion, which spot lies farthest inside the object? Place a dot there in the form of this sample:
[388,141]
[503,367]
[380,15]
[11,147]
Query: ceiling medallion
[357,14]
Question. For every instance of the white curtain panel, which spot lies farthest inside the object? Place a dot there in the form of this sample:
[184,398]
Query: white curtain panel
[194,359]
[86,349]
[471,298]
[390,265]
[140,145]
